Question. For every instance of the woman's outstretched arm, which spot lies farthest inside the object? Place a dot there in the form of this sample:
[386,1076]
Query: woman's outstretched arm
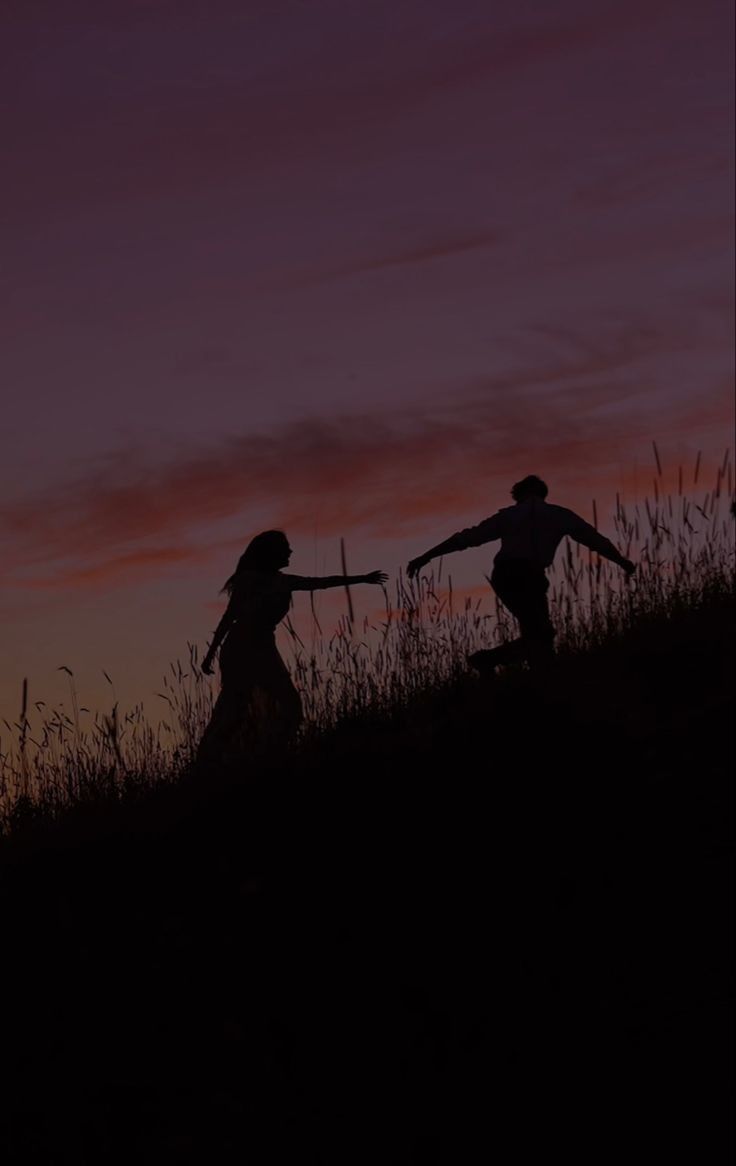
[322,582]
[221,631]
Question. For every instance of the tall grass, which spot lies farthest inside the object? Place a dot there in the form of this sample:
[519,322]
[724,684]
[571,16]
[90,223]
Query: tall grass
[682,542]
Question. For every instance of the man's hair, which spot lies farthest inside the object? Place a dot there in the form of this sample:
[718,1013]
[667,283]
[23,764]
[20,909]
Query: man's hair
[528,487]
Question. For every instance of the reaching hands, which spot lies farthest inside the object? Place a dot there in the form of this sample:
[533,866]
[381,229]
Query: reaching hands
[207,663]
[416,565]
[375,577]
[628,567]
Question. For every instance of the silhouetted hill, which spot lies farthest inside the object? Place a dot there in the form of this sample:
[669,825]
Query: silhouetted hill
[492,925]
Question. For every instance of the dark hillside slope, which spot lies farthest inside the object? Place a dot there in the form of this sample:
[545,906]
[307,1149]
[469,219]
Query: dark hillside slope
[494,925]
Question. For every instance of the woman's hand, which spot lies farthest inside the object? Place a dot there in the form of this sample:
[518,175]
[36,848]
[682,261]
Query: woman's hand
[375,577]
[206,664]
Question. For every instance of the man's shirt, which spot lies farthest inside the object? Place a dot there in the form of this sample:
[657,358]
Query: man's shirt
[532,530]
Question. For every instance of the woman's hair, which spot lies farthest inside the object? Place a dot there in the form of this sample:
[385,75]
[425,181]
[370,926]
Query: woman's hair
[532,485]
[263,553]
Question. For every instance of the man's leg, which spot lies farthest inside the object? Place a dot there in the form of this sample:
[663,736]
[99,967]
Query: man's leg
[503,582]
[522,588]
[537,630]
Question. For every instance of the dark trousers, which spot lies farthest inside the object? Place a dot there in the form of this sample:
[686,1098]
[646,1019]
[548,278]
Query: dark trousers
[522,588]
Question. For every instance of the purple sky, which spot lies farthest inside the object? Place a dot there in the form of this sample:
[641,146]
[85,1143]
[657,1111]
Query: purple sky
[347,268]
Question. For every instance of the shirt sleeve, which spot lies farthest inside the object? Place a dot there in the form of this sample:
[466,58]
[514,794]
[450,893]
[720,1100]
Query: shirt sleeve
[474,536]
[582,532]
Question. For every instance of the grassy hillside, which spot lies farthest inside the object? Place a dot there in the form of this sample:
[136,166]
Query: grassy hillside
[486,922]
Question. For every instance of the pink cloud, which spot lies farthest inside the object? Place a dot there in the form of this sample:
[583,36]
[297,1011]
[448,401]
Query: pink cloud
[117,569]
[369,475]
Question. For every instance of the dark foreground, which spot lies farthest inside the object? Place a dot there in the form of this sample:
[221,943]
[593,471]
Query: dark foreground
[495,929]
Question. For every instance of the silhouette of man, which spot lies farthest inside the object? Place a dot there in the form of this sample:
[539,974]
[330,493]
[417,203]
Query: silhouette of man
[530,533]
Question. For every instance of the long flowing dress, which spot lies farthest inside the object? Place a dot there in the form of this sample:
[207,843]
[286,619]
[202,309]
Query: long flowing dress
[258,705]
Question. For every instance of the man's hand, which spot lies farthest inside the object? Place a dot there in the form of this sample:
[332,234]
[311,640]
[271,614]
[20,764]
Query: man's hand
[416,565]
[628,566]
[375,577]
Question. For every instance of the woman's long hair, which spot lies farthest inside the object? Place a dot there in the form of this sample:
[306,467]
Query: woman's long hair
[261,554]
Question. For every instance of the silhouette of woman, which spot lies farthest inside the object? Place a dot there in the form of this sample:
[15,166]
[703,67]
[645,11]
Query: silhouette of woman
[258,703]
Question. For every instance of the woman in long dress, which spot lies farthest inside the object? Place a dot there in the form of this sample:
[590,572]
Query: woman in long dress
[258,704]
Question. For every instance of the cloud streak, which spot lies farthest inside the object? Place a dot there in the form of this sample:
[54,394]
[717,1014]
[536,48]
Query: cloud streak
[118,568]
[376,476]
[221,115]
[442,248]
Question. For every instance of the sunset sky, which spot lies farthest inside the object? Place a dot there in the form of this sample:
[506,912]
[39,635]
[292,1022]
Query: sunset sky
[345,267]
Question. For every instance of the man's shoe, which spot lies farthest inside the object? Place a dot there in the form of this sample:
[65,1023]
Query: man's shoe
[483,662]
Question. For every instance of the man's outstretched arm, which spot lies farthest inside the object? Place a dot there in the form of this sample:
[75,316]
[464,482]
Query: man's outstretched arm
[473,536]
[588,536]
